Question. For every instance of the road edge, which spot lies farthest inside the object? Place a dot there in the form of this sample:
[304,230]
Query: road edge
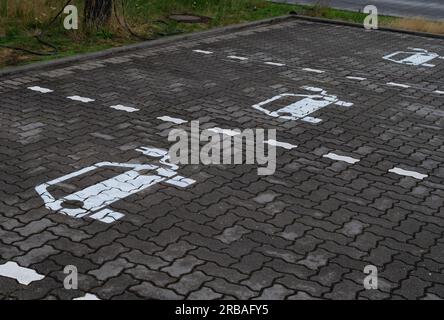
[358,25]
[8,71]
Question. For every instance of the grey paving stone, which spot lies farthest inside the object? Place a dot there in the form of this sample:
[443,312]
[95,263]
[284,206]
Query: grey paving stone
[232,234]
[276,292]
[204,294]
[182,266]
[305,232]
[315,260]
[190,282]
[148,291]
[111,269]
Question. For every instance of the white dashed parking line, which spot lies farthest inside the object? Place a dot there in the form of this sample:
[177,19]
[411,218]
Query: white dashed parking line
[123,108]
[227,132]
[408,173]
[334,156]
[356,78]
[81,99]
[313,70]
[237,58]
[275,64]
[171,119]
[22,275]
[203,51]
[284,145]
[40,89]
[400,85]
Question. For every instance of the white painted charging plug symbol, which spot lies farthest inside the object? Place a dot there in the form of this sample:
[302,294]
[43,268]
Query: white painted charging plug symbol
[307,104]
[414,57]
[93,201]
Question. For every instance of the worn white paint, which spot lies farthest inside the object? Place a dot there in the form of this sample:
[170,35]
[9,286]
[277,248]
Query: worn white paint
[275,64]
[203,51]
[87,296]
[237,58]
[284,145]
[408,173]
[81,99]
[107,216]
[227,132]
[22,275]
[311,120]
[344,104]
[173,120]
[40,89]
[413,57]
[400,85]
[94,200]
[124,108]
[356,78]
[307,104]
[313,70]
[334,156]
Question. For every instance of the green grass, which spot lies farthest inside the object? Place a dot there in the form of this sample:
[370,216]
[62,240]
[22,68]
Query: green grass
[146,17]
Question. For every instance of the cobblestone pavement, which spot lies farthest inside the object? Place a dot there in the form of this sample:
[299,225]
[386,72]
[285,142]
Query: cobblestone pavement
[305,232]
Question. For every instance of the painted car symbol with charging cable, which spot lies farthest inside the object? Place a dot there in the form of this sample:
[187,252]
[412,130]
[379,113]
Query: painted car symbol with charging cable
[93,201]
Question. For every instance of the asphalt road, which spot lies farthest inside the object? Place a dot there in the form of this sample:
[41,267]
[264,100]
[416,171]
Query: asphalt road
[430,9]
[358,183]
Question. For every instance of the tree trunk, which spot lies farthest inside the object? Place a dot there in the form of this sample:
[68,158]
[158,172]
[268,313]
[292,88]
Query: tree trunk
[98,12]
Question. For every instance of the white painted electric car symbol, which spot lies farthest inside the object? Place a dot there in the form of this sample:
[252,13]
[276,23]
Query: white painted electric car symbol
[94,200]
[302,108]
[414,57]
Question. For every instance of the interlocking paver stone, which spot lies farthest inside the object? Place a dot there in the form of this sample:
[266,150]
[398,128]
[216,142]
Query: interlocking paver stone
[305,232]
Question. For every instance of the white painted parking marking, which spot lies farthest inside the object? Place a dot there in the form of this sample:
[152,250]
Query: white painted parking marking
[237,58]
[171,119]
[81,99]
[227,132]
[408,173]
[203,51]
[334,156]
[400,85]
[275,64]
[313,70]
[311,120]
[356,78]
[40,89]
[438,92]
[284,145]
[93,200]
[124,108]
[413,57]
[305,104]
[22,275]
[88,296]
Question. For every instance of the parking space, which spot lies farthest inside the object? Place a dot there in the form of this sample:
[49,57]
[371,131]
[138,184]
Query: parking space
[359,179]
